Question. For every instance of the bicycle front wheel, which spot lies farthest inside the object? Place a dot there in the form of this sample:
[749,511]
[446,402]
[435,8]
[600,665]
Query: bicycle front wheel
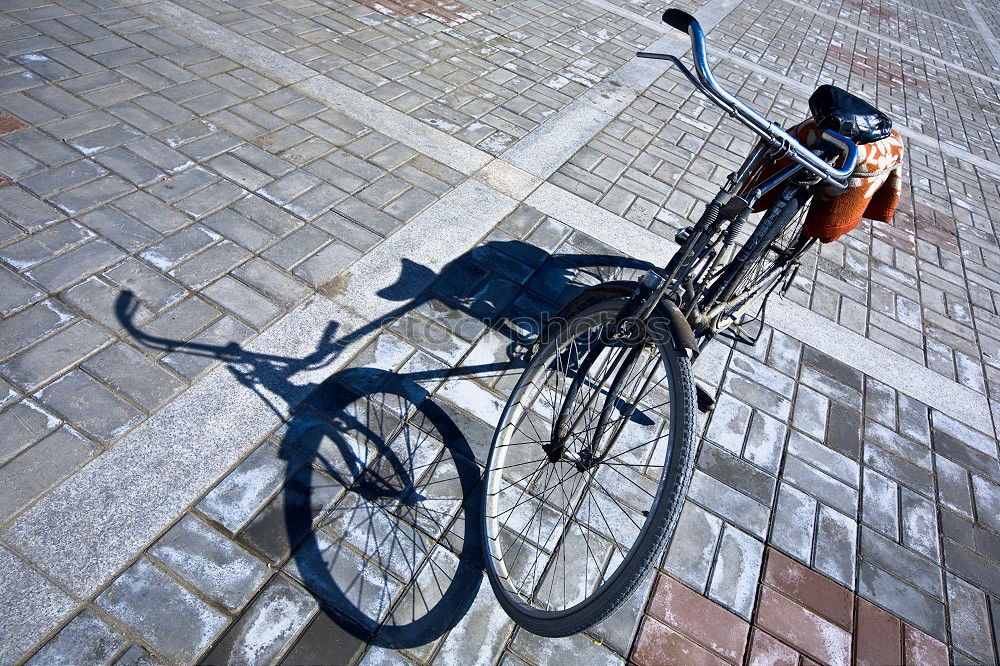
[588,470]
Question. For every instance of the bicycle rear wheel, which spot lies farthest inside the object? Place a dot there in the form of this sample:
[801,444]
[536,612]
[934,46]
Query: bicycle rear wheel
[568,540]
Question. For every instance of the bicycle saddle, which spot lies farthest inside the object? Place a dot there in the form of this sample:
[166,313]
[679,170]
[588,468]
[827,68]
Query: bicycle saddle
[838,110]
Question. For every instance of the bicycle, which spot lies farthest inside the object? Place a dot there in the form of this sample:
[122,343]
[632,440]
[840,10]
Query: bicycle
[593,453]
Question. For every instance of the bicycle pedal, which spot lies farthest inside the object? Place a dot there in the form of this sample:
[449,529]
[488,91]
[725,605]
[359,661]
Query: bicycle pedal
[706,401]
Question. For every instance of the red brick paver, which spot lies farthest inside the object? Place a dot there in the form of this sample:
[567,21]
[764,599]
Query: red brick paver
[675,605]
[802,618]
[10,124]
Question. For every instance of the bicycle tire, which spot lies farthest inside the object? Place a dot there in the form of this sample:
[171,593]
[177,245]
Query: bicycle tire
[603,595]
[752,256]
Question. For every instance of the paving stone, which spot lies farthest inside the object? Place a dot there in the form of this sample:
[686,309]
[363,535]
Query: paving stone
[86,639]
[765,442]
[987,501]
[836,536]
[75,265]
[765,649]
[969,619]
[272,622]
[240,230]
[134,375]
[919,648]
[220,334]
[880,504]
[273,283]
[659,644]
[736,473]
[123,230]
[823,487]
[736,572]
[618,630]
[326,264]
[40,467]
[136,656]
[977,440]
[215,565]
[919,522]
[802,629]
[243,301]
[29,212]
[901,600]
[954,488]
[564,651]
[149,285]
[324,640]
[168,617]
[729,504]
[878,639]
[152,212]
[834,464]
[711,625]
[16,292]
[244,490]
[24,423]
[130,167]
[33,605]
[355,587]
[54,355]
[387,543]
[794,523]
[297,246]
[47,243]
[810,412]
[90,406]
[33,324]
[844,431]
[810,589]
[91,195]
[692,548]
[210,264]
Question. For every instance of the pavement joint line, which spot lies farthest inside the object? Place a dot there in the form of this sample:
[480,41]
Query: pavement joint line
[555,141]
[984,28]
[381,117]
[914,135]
[92,525]
[900,45]
[875,360]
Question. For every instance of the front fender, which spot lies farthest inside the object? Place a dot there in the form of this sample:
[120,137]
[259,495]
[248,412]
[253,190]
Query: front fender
[680,329]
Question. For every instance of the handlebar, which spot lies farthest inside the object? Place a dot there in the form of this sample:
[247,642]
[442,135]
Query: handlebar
[771,132]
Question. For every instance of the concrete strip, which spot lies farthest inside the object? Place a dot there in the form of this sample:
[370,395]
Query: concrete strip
[881,363]
[91,526]
[806,91]
[381,117]
[948,64]
[556,140]
[984,28]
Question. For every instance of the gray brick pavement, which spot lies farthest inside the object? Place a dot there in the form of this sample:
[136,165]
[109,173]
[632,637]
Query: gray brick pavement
[224,200]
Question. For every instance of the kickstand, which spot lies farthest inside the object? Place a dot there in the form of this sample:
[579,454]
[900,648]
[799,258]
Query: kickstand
[706,401]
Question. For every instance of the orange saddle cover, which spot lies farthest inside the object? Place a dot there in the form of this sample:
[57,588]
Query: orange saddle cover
[872,192]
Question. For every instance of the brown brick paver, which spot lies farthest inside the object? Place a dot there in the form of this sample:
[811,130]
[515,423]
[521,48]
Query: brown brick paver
[10,124]
[708,623]
[802,618]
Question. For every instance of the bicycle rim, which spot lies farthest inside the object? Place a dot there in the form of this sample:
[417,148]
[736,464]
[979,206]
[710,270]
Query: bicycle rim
[565,543]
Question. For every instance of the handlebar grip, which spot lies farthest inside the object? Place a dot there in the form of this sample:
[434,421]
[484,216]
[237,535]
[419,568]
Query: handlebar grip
[679,19]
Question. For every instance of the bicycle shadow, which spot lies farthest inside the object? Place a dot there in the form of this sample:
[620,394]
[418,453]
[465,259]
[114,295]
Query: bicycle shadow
[381,501]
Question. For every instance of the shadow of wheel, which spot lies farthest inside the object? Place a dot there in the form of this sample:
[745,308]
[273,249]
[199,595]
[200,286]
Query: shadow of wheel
[396,557]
